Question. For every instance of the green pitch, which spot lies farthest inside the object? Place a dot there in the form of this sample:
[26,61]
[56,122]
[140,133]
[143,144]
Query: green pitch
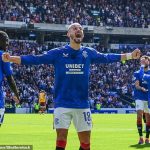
[110,132]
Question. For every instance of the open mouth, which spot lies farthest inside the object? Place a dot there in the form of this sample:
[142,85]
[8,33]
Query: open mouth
[78,35]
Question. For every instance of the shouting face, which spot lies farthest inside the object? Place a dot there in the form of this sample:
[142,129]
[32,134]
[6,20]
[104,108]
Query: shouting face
[75,33]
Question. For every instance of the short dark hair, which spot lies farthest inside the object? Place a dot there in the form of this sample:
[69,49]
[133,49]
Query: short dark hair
[42,91]
[146,57]
[4,40]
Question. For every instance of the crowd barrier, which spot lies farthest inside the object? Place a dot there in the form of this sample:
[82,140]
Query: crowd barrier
[109,111]
[51,110]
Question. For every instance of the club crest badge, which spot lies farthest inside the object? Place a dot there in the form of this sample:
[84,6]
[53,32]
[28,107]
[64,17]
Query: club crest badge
[84,53]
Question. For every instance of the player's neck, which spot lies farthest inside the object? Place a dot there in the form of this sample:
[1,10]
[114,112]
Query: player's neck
[75,46]
[146,69]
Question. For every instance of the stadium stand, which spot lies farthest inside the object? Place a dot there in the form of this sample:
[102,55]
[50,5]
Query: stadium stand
[118,13]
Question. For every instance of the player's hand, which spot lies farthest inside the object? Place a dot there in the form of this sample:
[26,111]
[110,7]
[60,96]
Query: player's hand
[6,57]
[136,54]
[144,90]
[17,100]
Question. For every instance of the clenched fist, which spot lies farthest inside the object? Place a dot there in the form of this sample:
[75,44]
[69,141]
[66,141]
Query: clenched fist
[136,54]
[6,57]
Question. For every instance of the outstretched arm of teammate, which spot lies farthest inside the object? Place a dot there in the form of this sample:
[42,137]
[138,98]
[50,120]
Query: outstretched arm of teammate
[109,58]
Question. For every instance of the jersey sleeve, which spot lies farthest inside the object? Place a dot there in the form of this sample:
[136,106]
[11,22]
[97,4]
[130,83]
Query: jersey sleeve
[7,68]
[48,58]
[97,57]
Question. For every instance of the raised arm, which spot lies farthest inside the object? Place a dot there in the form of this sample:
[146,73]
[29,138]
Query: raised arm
[109,58]
[47,58]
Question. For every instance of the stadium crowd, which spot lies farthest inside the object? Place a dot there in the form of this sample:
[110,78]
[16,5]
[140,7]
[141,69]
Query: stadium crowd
[106,80]
[118,13]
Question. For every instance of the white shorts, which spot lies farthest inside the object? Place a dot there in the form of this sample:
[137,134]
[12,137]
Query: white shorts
[81,118]
[2,110]
[142,105]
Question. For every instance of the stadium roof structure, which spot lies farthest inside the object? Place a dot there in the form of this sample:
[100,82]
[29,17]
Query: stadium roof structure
[63,28]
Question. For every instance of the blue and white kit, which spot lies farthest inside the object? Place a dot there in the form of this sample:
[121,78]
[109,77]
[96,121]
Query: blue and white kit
[72,70]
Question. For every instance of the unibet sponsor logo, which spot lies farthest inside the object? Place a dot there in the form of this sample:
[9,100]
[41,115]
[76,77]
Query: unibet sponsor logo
[74,68]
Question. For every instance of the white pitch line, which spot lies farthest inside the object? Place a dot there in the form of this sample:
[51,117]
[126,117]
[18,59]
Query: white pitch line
[113,129]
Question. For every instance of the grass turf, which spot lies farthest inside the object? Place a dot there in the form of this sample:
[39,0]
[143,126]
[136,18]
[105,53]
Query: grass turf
[110,132]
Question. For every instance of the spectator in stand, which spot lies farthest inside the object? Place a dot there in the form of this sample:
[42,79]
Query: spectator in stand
[117,13]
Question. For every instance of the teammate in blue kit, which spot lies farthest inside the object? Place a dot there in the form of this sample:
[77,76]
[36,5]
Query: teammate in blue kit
[72,64]
[5,71]
[141,100]
[146,78]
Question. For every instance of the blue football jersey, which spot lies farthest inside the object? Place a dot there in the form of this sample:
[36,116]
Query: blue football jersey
[146,78]
[5,70]
[71,72]
[139,94]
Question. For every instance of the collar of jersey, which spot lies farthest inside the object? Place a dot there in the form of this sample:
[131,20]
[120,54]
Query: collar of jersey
[73,50]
